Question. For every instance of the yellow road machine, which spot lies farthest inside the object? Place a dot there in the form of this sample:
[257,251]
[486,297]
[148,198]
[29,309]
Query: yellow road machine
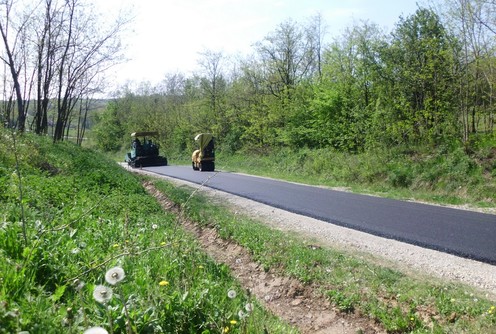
[203,159]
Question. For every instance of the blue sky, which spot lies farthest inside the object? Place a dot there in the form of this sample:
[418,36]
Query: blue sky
[167,35]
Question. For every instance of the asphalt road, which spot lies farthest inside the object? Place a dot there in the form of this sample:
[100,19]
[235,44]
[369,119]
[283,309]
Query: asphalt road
[458,232]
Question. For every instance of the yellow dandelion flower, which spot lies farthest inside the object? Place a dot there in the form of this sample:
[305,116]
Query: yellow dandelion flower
[492,307]
[163,243]
[233,322]
[115,245]
[226,330]
[163,283]
[200,267]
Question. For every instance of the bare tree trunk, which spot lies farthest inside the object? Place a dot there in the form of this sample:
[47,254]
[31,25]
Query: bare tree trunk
[21,117]
[83,114]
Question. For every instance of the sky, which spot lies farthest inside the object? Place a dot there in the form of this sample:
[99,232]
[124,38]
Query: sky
[167,36]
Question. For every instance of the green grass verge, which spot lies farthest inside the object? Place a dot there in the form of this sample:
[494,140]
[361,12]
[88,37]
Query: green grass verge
[399,302]
[68,215]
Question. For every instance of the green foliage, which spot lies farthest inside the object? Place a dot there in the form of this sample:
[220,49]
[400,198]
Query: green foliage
[109,130]
[419,105]
[85,214]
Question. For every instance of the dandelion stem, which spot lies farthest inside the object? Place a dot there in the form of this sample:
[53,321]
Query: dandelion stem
[111,324]
[85,319]
[126,312]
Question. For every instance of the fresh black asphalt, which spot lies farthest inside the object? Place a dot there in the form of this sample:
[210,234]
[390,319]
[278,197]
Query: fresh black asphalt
[459,232]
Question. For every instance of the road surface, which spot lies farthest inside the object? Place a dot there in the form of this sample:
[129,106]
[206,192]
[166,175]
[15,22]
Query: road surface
[459,232]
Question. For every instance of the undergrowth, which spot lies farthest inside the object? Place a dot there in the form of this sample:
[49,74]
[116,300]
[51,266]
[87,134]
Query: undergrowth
[82,245]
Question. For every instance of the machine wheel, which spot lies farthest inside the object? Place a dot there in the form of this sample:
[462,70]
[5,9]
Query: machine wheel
[207,166]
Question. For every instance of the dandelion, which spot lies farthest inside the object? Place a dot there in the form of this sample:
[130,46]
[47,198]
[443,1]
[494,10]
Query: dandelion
[233,322]
[75,250]
[163,243]
[200,267]
[95,330]
[102,294]
[78,284]
[114,275]
[163,283]
[226,330]
[38,225]
[231,294]
[115,245]
[154,226]
[249,307]
[242,314]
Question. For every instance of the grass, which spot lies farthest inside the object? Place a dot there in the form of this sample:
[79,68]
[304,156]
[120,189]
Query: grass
[68,216]
[398,301]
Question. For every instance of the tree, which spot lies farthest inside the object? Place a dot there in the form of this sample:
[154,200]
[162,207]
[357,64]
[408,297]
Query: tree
[61,48]
[287,56]
[213,85]
[46,47]
[419,97]
[87,50]
[474,22]
[345,97]
[109,130]
[15,58]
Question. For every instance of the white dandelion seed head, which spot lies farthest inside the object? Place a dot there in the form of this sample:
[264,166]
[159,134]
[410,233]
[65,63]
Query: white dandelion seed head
[75,250]
[38,225]
[82,244]
[242,314]
[231,294]
[154,226]
[95,330]
[114,275]
[249,307]
[102,293]
[78,284]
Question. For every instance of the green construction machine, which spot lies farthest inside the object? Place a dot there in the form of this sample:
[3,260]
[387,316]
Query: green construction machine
[144,151]
[203,159]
